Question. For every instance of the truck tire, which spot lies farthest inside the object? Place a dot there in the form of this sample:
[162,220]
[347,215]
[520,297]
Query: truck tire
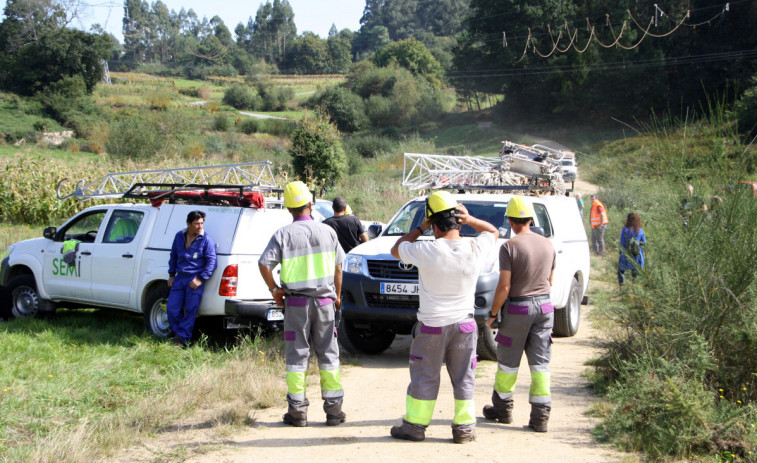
[487,346]
[156,317]
[568,318]
[363,340]
[25,299]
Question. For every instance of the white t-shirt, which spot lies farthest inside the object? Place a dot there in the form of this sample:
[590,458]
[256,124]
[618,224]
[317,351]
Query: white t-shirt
[447,275]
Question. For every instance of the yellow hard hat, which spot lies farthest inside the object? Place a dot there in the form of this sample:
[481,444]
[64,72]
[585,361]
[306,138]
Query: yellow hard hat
[439,201]
[348,210]
[520,207]
[296,194]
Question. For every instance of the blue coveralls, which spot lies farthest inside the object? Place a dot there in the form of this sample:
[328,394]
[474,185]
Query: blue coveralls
[198,260]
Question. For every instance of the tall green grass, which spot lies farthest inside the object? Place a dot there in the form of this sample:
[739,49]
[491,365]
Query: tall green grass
[677,365]
[85,383]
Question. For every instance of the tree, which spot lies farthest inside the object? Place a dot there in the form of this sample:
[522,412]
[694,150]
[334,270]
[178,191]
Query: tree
[36,49]
[317,151]
[273,30]
[308,54]
[340,54]
[411,55]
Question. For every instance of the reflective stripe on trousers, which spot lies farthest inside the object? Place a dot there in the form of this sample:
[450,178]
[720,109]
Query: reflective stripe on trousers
[454,345]
[526,326]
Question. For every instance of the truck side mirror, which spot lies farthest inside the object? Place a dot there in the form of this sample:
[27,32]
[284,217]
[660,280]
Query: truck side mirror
[374,230]
[49,233]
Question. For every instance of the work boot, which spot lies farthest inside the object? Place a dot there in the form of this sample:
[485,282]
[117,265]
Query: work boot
[409,431]
[501,411]
[462,433]
[335,420]
[539,417]
[297,423]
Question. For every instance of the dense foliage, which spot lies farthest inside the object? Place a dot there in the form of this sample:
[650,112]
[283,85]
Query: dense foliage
[36,49]
[592,79]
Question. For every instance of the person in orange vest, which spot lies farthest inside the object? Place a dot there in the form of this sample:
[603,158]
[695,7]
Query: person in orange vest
[598,224]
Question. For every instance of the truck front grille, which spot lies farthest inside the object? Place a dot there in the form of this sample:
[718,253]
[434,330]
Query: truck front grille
[390,269]
[392,301]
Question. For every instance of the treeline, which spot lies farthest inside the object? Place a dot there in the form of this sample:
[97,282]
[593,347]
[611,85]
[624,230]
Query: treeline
[183,43]
[606,59]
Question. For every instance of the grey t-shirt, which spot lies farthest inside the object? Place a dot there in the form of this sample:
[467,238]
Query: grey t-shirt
[530,258]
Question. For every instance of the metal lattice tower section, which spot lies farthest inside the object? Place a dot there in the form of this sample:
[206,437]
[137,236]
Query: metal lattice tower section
[257,175]
[106,72]
[437,171]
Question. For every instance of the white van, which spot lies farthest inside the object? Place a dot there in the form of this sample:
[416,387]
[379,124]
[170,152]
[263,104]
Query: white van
[122,263]
[380,293]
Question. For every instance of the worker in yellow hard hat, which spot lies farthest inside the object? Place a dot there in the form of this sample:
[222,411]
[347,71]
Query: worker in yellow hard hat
[527,263]
[448,268]
[311,282]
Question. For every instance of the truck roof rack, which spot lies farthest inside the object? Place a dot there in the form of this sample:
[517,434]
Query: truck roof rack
[175,184]
[517,168]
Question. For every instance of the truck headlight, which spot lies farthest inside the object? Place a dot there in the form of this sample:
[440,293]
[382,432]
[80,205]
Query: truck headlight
[354,264]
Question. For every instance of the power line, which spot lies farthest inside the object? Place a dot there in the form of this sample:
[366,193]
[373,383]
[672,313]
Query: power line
[750,54]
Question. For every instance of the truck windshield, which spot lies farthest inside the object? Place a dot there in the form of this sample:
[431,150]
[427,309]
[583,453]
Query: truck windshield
[413,214]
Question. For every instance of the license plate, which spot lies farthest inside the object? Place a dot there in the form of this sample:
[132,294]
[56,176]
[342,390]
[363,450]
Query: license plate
[411,289]
[275,315]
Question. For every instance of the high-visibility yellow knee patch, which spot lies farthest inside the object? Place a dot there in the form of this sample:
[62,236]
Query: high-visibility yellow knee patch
[465,412]
[540,383]
[330,380]
[295,382]
[419,411]
[504,382]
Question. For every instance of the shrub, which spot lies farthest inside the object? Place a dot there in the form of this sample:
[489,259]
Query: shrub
[159,97]
[221,123]
[380,111]
[241,97]
[204,92]
[344,108]
[134,137]
[214,144]
[368,146]
[274,97]
[249,126]
[41,125]
[317,151]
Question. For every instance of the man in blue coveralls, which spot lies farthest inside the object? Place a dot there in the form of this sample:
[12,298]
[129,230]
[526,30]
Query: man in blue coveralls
[192,261]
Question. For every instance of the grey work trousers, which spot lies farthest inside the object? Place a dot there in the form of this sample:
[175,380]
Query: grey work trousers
[309,321]
[454,345]
[598,240]
[526,326]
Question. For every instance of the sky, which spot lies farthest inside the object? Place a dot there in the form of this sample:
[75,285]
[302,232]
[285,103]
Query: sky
[309,15]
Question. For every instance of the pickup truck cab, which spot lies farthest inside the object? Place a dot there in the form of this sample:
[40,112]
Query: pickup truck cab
[380,293]
[121,262]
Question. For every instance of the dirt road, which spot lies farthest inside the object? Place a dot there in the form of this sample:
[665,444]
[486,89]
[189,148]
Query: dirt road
[375,400]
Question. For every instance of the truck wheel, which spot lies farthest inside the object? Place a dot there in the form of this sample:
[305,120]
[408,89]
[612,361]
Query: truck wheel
[487,346]
[156,317]
[567,318]
[25,300]
[364,340]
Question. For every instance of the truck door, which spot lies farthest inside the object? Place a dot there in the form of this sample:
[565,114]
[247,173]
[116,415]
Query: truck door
[114,258]
[559,280]
[73,282]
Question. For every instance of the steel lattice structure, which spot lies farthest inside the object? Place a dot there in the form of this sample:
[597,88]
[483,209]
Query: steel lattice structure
[256,175]
[437,171]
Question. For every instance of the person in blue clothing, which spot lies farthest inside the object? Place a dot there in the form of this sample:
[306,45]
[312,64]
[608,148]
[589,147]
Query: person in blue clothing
[190,265]
[631,250]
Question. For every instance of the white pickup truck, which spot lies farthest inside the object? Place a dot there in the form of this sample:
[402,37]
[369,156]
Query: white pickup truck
[380,293]
[122,263]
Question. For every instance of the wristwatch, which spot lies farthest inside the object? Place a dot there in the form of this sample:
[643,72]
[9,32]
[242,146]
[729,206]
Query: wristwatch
[491,315]
[274,289]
